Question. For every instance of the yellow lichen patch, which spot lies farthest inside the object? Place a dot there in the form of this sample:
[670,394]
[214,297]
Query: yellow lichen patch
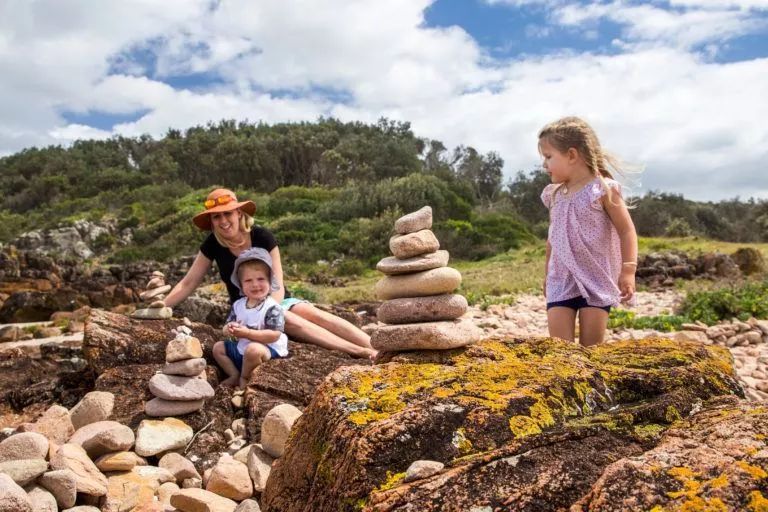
[687,477]
[460,441]
[523,426]
[672,414]
[393,479]
[757,502]
[657,508]
[699,504]
[756,472]
[719,482]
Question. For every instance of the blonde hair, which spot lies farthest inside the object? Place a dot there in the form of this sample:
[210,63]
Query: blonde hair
[246,223]
[574,132]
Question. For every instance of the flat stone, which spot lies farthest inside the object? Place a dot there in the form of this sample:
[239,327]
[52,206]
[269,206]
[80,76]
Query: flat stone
[88,478]
[259,466]
[230,478]
[415,221]
[12,497]
[62,484]
[426,336]
[154,292]
[276,427]
[153,313]
[437,281]
[187,367]
[42,500]
[119,461]
[161,407]
[25,445]
[422,469]
[103,437]
[154,436]
[394,266]
[127,490]
[413,244]
[177,387]
[55,424]
[422,309]
[183,347]
[24,471]
[95,406]
[199,500]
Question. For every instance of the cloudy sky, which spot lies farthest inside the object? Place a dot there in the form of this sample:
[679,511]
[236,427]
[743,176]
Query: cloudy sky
[680,86]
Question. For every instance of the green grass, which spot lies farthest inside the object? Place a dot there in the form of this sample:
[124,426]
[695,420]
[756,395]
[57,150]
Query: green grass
[518,271]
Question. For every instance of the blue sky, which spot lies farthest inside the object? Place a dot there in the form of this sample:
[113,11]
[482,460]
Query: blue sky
[677,86]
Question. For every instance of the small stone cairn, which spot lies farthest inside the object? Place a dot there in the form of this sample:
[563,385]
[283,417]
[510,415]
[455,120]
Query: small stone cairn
[420,307]
[156,290]
[181,386]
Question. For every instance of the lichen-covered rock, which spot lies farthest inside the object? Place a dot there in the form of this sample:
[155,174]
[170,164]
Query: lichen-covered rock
[522,424]
[715,460]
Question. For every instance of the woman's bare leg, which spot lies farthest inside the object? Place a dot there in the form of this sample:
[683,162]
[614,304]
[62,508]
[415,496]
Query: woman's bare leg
[336,325]
[562,323]
[300,329]
[592,325]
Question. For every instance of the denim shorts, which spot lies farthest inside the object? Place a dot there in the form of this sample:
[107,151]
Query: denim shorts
[576,303]
[288,303]
[237,358]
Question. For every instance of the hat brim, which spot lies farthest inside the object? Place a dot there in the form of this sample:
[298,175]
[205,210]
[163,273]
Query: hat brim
[203,219]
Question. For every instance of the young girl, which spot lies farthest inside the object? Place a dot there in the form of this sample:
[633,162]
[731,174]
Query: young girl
[591,253]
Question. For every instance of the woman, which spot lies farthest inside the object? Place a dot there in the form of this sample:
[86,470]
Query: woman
[232,232]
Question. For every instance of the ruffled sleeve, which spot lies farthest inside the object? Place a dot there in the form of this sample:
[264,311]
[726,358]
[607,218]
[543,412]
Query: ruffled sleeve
[547,194]
[598,190]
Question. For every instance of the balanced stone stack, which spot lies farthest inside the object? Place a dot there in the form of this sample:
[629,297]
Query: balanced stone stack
[156,290]
[417,289]
[182,386]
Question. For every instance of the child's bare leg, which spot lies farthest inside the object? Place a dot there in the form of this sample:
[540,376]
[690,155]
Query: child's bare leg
[255,354]
[592,325]
[562,323]
[226,364]
[335,324]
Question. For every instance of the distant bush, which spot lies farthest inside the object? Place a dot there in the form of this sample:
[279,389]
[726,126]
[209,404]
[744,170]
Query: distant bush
[297,199]
[486,235]
[749,300]
[622,318]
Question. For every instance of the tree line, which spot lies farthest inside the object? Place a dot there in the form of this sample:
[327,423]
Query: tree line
[328,188]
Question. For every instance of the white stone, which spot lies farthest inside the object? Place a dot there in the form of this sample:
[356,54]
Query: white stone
[155,436]
[276,427]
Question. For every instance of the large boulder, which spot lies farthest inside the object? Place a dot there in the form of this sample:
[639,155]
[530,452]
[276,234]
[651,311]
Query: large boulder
[530,424]
[291,380]
[112,340]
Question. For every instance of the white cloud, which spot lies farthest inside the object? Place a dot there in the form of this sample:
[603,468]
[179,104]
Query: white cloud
[698,125]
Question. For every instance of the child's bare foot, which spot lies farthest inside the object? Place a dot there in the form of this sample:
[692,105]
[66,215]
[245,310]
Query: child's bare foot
[242,384]
[230,382]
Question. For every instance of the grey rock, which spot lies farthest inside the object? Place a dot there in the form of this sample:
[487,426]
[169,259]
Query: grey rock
[394,266]
[422,309]
[415,221]
[437,281]
[413,244]
[426,336]
[176,387]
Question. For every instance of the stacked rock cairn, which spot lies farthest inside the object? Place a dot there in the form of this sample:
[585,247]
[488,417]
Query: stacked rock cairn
[156,290]
[182,385]
[420,307]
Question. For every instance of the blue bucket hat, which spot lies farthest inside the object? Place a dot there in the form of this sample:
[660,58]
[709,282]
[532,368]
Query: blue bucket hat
[254,254]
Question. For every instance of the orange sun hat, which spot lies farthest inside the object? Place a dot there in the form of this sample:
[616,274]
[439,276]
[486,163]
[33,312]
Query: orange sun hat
[221,200]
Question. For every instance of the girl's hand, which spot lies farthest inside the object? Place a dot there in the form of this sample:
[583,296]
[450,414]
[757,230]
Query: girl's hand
[627,285]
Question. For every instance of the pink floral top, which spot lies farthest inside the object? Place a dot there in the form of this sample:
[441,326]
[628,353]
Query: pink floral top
[586,254]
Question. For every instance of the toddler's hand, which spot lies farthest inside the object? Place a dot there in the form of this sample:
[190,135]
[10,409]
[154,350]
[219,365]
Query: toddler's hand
[627,287]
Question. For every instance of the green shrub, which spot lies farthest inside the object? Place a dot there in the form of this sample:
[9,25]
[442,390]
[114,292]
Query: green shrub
[297,199]
[742,302]
[488,234]
[299,291]
[622,318]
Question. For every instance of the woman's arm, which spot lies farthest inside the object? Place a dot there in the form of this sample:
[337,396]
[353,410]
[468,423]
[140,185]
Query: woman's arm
[190,281]
[619,215]
[277,268]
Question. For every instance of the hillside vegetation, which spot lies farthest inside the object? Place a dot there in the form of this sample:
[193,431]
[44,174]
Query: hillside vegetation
[329,190]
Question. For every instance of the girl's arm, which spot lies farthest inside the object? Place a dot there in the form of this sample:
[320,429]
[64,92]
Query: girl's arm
[619,215]
[190,281]
[546,266]
[277,268]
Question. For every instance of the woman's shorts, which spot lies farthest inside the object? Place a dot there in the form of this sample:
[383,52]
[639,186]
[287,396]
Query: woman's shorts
[576,303]
[230,347]
[288,303]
